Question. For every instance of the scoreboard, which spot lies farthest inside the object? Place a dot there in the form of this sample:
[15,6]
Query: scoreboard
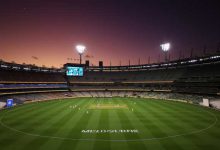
[74,71]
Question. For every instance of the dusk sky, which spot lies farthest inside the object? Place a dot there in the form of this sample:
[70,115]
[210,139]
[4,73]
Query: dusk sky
[45,32]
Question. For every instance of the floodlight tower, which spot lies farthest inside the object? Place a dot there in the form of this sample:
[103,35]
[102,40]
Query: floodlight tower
[165,48]
[80,49]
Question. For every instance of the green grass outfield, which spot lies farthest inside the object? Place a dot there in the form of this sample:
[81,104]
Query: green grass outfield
[109,124]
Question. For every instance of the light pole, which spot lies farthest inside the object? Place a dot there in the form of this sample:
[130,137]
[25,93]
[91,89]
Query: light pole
[80,49]
[165,48]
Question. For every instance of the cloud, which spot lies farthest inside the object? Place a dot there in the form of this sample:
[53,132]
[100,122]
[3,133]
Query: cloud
[89,56]
[72,59]
[34,57]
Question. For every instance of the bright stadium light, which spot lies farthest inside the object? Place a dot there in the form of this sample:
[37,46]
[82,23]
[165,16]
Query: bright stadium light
[165,48]
[80,49]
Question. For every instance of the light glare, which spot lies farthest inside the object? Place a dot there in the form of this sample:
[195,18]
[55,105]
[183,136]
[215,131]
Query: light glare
[165,47]
[80,48]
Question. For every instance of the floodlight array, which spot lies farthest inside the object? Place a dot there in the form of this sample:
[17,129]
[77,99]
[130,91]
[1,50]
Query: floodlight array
[80,49]
[165,47]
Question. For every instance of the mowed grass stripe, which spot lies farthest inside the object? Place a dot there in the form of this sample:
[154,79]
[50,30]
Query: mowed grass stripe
[24,110]
[126,123]
[16,113]
[179,126]
[194,112]
[170,114]
[15,123]
[146,114]
[29,141]
[114,123]
[157,128]
[103,124]
[93,123]
[23,107]
[38,117]
[188,115]
[48,130]
[63,117]
[198,122]
[139,117]
[184,117]
[200,140]
[62,125]
[168,118]
[57,118]
[50,113]
[21,138]
[68,130]
[80,122]
[161,116]
[168,127]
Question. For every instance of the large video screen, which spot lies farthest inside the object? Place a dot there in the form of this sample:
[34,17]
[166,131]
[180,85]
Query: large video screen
[74,71]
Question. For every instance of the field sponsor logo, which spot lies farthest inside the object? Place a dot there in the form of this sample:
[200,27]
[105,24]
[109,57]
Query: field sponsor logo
[109,131]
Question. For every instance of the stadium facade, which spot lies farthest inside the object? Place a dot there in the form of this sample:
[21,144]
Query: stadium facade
[187,79]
